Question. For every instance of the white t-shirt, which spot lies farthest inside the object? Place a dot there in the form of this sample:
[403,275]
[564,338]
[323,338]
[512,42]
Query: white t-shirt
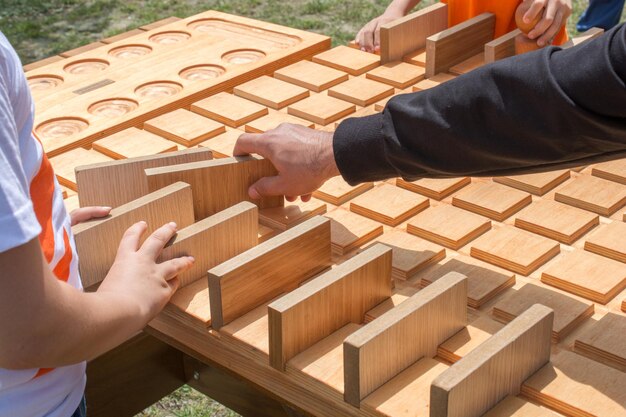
[31,206]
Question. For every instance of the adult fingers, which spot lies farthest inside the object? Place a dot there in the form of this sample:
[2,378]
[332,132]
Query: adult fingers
[132,237]
[174,267]
[368,37]
[306,198]
[547,37]
[155,243]
[87,213]
[545,23]
[250,143]
[377,37]
[268,186]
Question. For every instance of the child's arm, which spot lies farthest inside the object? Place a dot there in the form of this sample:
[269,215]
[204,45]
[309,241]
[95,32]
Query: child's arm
[551,16]
[368,37]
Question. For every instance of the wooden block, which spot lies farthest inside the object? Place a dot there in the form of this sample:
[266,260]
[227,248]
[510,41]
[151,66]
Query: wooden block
[588,275]
[361,91]
[122,36]
[266,233]
[336,298]
[496,368]
[583,37]
[43,62]
[229,109]
[458,43]
[97,241]
[223,145]
[609,241]
[516,407]
[184,127]
[409,33]
[271,92]
[576,386]
[495,201]
[433,81]
[556,221]
[514,249]
[81,49]
[484,281]
[159,23]
[133,143]
[383,348]
[321,109]
[337,191]
[416,58]
[468,65]
[276,266]
[283,218]
[251,329]
[611,170]
[273,120]
[118,182]
[349,231]
[388,204]
[191,304]
[468,338]
[538,184]
[397,74]
[350,60]
[437,189]
[448,226]
[593,194]
[569,312]
[500,48]
[211,193]
[65,164]
[310,75]
[604,341]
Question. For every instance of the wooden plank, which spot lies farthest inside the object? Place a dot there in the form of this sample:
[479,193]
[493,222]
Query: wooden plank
[97,240]
[65,164]
[434,188]
[397,74]
[495,201]
[184,127]
[271,92]
[500,48]
[611,170]
[210,192]
[361,91]
[381,349]
[409,33]
[336,298]
[388,204]
[593,194]
[458,43]
[609,241]
[283,218]
[229,109]
[496,368]
[321,109]
[337,191]
[118,182]
[271,268]
[604,341]
[133,143]
[583,37]
[315,77]
[350,60]
[349,231]
[273,120]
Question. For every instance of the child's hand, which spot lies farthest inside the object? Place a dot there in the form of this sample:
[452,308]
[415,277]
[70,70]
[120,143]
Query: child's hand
[87,213]
[555,14]
[368,37]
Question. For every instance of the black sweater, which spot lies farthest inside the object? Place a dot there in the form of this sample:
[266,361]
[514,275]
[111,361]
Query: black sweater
[543,110]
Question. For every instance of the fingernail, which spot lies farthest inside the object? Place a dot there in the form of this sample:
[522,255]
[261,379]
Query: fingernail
[173,225]
[192,259]
[143,223]
[254,194]
[106,208]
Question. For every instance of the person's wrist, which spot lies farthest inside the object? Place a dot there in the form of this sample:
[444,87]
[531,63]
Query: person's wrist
[327,156]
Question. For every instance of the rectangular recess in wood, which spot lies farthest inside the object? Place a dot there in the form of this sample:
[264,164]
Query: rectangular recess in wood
[458,43]
[97,241]
[219,183]
[502,47]
[318,308]
[384,347]
[274,267]
[496,368]
[118,182]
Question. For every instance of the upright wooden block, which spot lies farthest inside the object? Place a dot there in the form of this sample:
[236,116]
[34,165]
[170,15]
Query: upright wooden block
[588,275]
[337,191]
[340,296]
[538,184]
[283,218]
[97,241]
[271,92]
[433,81]
[65,164]
[229,109]
[496,368]
[274,267]
[273,120]
[569,312]
[556,221]
[611,170]
[133,143]
[468,65]
[516,407]
[468,338]
[397,74]
[448,226]
[184,127]
[307,74]
[321,109]
[609,241]
[593,194]
[223,145]
[361,91]
[381,349]
[437,189]
[388,204]
[349,231]
[500,48]
[514,249]
[211,193]
[118,182]
[604,341]
[350,60]
[492,200]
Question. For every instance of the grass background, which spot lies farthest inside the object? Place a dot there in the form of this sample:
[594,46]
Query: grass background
[41,28]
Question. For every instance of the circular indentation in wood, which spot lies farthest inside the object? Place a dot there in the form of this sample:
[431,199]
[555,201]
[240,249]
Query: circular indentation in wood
[169,38]
[44,82]
[114,107]
[86,66]
[61,128]
[158,89]
[130,51]
[202,72]
[243,56]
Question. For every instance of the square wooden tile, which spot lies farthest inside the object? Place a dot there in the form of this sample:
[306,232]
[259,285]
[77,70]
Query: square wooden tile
[556,221]
[337,191]
[609,240]
[361,91]
[416,58]
[307,74]
[448,226]
[292,214]
[569,312]
[604,341]
[184,127]
[493,200]
[321,109]
[353,61]
[271,92]
[468,65]
[514,249]
[397,74]
[64,164]
[389,204]
[133,143]
[437,189]
[222,145]
[433,81]
[272,120]
[537,184]
[611,170]
[588,275]
[349,231]
[229,109]
[594,194]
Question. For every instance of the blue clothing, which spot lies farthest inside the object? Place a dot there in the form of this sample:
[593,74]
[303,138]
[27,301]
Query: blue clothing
[603,14]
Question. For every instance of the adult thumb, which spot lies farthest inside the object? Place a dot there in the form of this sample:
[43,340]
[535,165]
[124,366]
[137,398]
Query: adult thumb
[266,187]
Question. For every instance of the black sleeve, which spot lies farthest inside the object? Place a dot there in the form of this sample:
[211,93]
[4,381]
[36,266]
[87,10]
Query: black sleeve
[543,110]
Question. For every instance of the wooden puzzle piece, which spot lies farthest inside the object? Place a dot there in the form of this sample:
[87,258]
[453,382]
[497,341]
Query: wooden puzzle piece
[389,204]
[433,81]
[337,191]
[184,127]
[609,241]
[397,74]
[538,184]
[604,341]
[64,165]
[468,338]
[283,218]
[229,109]
[500,48]
[611,170]
[513,406]
[350,60]
[495,201]
[271,92]
[468,65]
[434,188]
[593,194]
[315,77]
[321,109]
[361,91]
[349,231]
[273,120]
[133,143]
[223,145]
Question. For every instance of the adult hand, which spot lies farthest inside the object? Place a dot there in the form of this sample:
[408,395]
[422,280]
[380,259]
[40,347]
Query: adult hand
[368,37]
[554,15]
[87,213]
[303,157]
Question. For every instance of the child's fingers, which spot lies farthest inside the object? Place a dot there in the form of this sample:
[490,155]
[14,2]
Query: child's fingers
[545,23]
[533,11]
[549,34]
[154,244]
[132,237]
[176,266]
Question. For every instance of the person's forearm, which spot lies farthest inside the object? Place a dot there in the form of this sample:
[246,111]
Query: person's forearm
[530,113]
[402,7]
